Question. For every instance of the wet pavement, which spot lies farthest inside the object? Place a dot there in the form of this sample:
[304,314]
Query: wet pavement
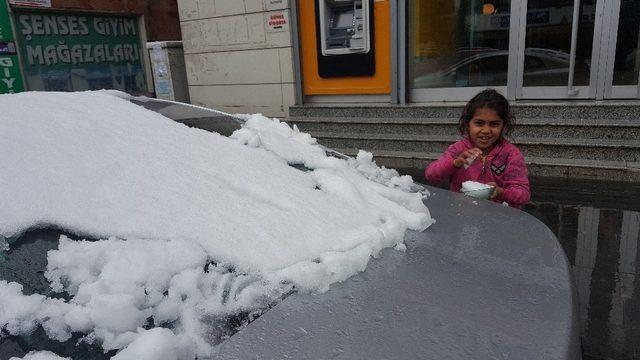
[598,225]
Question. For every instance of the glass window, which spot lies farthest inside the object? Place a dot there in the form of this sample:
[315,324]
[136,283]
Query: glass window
[548,42]
[627,63]
[458,43]
[74,52]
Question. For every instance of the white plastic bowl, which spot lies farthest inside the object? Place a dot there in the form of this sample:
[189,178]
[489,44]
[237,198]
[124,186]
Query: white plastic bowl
[480,193]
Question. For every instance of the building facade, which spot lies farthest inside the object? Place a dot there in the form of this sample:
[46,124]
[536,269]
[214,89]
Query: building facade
[413,63]
[420,51]
[239,54]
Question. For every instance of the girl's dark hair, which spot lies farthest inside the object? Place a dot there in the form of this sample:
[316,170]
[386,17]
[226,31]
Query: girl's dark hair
[489,99]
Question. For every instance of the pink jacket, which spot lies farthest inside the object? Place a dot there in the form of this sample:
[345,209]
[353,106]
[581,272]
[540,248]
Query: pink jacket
[504,165]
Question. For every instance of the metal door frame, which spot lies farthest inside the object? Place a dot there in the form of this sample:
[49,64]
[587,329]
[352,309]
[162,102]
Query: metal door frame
[461,94]
[570,91]
[611,91]
[602,63]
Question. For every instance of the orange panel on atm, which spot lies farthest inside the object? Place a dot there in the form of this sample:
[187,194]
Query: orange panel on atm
[378,83]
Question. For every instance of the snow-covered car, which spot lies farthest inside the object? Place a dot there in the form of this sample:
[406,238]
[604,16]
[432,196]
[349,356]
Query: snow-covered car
[129,235]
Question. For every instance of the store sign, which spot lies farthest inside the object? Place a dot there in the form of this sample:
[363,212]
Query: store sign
[80,51]
[72,39]
[31,3]
[10,77]
[277,21]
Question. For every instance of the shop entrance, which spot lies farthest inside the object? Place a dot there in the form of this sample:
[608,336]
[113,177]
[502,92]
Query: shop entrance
[527,49]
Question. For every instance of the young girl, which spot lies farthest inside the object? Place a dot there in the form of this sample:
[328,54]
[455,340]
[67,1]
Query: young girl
[484,154]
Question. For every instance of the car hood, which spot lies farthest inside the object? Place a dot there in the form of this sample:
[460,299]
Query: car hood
[485,281]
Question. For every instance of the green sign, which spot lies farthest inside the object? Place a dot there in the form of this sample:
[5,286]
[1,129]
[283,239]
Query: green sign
[6,34]
[10,77]
[71,52]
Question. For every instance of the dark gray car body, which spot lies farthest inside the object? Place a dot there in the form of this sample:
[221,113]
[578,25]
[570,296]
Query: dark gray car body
[484,282]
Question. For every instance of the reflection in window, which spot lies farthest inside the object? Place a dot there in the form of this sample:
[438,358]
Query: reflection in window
[458,43]
[125,77]
[627,63]
[56,81]
[548,42]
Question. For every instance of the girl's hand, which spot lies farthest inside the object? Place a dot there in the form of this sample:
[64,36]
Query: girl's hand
[467,157]
[497,191]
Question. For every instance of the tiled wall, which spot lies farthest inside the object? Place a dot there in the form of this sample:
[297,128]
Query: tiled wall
[236,61]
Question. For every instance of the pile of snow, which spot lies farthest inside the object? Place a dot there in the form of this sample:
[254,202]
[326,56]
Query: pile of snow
[195,226]
[40,355]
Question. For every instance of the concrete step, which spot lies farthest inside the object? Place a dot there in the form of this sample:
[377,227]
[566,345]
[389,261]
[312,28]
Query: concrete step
[597,149]
[543,110]
[572,140]
[551,128]
[454,120]
[414,163]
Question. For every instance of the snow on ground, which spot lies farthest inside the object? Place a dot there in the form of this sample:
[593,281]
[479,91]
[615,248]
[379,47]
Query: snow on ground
[195,226]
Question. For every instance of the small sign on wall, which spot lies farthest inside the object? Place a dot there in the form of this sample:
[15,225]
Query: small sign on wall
[32,3]
[277,21]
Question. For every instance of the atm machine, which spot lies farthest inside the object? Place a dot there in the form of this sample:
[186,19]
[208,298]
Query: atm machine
[345,38]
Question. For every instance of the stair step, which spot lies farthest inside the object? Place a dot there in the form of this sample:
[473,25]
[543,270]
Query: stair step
[578,122]
[555,110]
[521,130]
[585,163]
[606,143]
[598,149]
[572,140]
[414,163]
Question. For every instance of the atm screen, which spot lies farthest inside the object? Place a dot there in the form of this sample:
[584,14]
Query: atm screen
[344,19]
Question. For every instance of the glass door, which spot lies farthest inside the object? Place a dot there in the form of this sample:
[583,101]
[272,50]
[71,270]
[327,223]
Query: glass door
[555,54]
[526,49]
[457,48]
[624,57]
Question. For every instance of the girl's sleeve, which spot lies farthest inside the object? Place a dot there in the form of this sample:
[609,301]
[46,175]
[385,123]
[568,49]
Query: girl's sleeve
[516,181]
[439,171]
